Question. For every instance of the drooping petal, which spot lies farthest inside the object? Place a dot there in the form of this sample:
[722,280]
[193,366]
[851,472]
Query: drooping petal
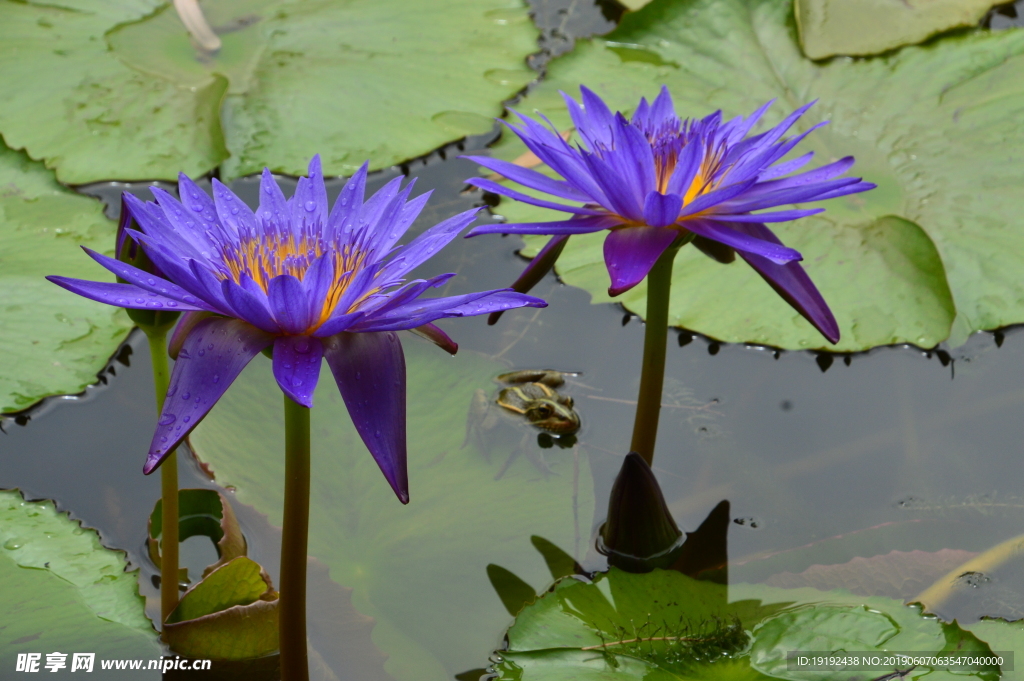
[215,352]
[792,283]
[630,253]
[583,225]
[742,241]
[419,312]
[370,371]
[661,210]
[297,366]
[538,268]
[436,335]
[288,303]
[182,329]
[121,295]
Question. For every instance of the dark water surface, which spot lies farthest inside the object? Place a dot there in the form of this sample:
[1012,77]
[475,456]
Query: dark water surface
[824,458]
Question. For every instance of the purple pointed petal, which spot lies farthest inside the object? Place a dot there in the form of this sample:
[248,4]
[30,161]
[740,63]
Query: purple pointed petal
[199,207]
[212,356]
[428,244]
[121,295]
[785,168]
[144,280]
[631,252]
[317,284]
[288,304]
[599,116]
[370,371]
[310,202]
[538,268]
[249,306]
[502,190]
[686,169]
[779,216]
[349,201]
[338,323]
[661,210]
[792,283]
[437,336]
[622,197]
[663,108]
[273,210]
[182,329]
[419,312]
[232,211]
[583,225]
[784,197]
[529,178]
[713,198]
[742,241]
[208,286]
[297,366]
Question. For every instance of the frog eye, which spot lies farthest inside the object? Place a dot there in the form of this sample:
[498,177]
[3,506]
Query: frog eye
[544,411]
[568,402]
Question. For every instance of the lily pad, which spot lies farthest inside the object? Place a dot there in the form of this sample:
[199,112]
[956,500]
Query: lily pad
[932,254]
[231,614]
[863,27]
[201,512]
[664,625]
[118,90]
[60,590]
[52,342]
[419,570]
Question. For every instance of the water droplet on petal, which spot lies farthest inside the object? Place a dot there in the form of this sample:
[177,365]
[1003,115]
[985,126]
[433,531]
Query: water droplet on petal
[186,396]
[358,375]
[187,419]
[216,378]
[377,433]
[166,420]
[163,439]
[310,206]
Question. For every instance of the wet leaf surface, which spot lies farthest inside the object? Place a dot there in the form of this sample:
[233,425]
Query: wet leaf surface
[925,257]
[663,625]
[63,591]
[864,27]
[409,566]
[128,96]
[52,341]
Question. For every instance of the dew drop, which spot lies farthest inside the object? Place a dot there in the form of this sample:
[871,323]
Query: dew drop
[296,382]
[163,439]
[216,378]
[234,210]
[358,375]
[377,433]
[201,352]
[310,206]
[186,396]
[166,419]
[187,419]
[12,544]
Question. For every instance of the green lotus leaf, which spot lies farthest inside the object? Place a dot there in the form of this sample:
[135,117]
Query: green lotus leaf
[52,341]
[201,512]
[665,626]
[119,90]
[232,614]
[419,570]
[863,27]
[932,254]
[63,591]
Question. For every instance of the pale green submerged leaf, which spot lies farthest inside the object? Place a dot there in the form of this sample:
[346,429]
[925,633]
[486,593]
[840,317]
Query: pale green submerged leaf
[119,91]
[60,590]
[52,341]
[863,27]
[665,626]
[933,253]
[419,570]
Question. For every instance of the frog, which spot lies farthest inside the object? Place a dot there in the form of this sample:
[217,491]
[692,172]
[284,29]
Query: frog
[526,398]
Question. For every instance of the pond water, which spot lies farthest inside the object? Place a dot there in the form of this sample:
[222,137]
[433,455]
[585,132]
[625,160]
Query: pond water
[829,462]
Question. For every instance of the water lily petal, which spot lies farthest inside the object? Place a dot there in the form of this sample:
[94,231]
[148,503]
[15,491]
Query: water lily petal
[502,190]
[581,225]
[288,303]
[419,312]
[349,201]
[297,366]
[437,336]
[121,295]
[249,306]
[661,210]
[210,359]
[538,268]
[232,211]
[144,280]
[791,282]
[630,253]
[309,205]
[417,251]
[742,240]
[273,212]
[370,371]
[778,216]
[529,178]
[182,329]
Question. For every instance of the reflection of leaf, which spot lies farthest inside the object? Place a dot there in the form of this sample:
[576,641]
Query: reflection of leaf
[61,590]
[897,574]
[860,27]
[418,570]
[127,96]
[52,342]
[663,625]
[934,251]
[201,512]
[230,615]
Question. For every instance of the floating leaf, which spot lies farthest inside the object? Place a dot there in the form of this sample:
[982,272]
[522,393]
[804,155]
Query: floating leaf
[61,590]
[862,27]
[201,512]
[932,254]
[230,615]
[52,342]
[418,570]
[118,91]
[664,625]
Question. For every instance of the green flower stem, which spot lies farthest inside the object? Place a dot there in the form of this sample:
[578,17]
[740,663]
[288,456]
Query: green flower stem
[157,336]
[652,377]
[294,665]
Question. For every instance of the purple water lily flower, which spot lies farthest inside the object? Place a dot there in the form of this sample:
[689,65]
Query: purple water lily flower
[653,178]
[311,283]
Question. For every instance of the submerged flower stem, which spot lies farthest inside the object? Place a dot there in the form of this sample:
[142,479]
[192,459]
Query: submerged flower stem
[294,665]
[652,377]
[157,337]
